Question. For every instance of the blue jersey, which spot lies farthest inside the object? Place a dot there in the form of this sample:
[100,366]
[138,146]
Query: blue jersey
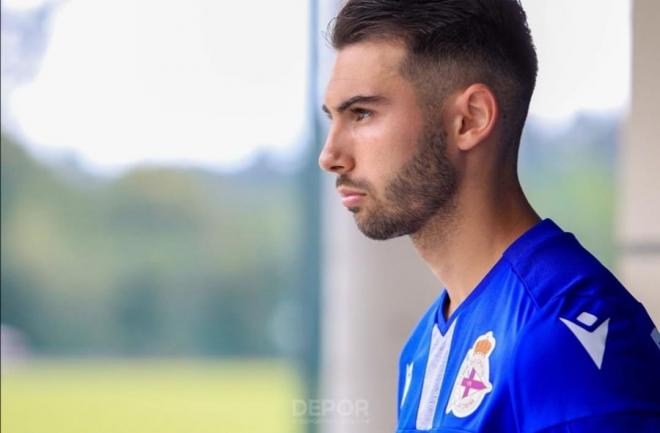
[548,342]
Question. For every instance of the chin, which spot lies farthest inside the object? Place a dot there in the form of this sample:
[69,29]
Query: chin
[382,236]
[379,234]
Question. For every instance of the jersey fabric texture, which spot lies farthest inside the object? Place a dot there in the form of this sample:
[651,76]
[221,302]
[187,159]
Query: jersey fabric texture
[548,342]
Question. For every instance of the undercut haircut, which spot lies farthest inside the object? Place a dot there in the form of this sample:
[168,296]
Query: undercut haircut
[452,44]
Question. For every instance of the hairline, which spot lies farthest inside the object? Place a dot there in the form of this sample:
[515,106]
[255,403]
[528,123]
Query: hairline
[412,69]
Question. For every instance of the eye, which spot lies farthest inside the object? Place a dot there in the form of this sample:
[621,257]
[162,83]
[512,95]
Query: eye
[361,113]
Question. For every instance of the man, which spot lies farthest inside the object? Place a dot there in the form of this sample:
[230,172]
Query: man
[427,101]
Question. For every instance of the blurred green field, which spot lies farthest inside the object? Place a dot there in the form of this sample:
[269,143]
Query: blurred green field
[149,396]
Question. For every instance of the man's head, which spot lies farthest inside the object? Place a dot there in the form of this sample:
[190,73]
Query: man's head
[416,86]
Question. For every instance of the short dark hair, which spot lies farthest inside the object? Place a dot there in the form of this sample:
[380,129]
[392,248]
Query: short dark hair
[459,42]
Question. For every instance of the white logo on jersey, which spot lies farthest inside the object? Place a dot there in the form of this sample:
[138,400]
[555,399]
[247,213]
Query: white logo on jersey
[594,341]
[473,380]
[655,335]
[409,373]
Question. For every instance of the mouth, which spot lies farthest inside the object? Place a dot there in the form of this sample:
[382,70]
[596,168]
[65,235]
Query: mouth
[352,200]
[350,197]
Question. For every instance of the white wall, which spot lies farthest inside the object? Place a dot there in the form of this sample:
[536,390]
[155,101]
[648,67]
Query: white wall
[639,181]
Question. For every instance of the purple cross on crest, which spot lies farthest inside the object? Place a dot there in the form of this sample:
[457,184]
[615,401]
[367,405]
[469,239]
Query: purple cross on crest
[471,383]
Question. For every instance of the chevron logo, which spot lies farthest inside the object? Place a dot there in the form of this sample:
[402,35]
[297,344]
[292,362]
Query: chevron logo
[593,341]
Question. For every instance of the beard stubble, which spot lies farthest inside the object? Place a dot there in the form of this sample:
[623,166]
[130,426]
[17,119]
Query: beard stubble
[423,188]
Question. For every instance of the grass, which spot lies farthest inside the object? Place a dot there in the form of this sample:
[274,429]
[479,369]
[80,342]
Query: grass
[151,396]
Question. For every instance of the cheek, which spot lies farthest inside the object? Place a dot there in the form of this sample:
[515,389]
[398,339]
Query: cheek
[386,144]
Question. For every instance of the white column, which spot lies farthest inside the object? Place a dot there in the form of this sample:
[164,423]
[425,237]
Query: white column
[639,186]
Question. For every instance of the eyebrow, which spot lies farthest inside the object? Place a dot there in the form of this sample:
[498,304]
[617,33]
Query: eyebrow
[358,99]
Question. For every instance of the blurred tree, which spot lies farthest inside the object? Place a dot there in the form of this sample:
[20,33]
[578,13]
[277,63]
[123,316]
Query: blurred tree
[157,261]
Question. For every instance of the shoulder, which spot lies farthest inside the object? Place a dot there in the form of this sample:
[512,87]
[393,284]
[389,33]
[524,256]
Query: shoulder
[552,264]
[586,354]
[589,350]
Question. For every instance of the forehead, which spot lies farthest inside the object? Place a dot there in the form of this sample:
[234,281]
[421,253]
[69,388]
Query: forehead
[363,68]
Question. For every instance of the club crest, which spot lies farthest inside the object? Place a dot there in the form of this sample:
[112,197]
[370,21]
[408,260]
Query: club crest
[473,380]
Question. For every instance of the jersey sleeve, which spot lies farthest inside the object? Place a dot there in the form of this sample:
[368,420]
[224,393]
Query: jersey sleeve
[613,423]
[587,364]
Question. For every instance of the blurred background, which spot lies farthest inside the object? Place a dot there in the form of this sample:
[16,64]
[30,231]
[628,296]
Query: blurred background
[174,261]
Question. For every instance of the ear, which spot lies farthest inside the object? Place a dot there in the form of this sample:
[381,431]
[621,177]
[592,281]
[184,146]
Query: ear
[473,112]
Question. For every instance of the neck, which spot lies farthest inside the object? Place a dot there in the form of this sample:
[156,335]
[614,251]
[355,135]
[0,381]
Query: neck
[463,243]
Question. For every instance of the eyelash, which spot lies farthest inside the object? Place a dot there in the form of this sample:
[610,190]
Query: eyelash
[361,113]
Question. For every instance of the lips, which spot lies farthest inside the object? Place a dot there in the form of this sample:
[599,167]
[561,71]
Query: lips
[350,197]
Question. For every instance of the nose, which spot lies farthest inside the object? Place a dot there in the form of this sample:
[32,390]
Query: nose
[335,156]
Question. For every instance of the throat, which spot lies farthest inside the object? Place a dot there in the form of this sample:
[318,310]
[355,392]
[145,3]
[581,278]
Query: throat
[447,309]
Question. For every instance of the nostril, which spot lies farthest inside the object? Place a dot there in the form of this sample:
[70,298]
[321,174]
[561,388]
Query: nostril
[328,161]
